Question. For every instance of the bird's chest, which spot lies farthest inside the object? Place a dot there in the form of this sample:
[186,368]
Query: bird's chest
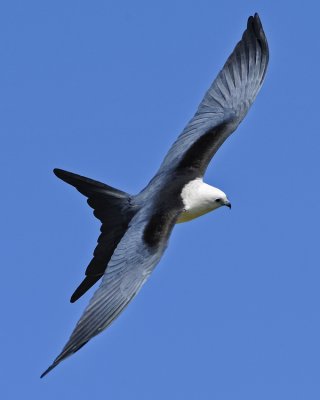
[194,210]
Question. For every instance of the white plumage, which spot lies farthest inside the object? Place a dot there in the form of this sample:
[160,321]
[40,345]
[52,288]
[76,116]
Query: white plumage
[200,198]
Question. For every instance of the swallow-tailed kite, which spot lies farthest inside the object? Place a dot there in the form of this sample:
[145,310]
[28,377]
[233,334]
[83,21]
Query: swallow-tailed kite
[135,228]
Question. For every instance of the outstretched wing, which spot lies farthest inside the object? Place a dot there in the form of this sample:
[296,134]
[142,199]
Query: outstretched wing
[224,105]
[134,259]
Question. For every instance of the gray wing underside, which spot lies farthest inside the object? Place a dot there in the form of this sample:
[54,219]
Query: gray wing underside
[225,104]
[130,266]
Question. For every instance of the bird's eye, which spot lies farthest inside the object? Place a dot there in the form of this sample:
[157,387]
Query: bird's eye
[218,200]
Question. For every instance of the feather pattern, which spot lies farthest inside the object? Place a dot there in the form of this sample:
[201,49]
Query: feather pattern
[129,268]
[225,104]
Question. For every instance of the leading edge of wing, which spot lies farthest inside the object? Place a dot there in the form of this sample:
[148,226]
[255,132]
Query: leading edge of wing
[137,254]
[225,104]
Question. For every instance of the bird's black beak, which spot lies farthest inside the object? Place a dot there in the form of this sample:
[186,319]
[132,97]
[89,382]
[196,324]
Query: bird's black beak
[228,204]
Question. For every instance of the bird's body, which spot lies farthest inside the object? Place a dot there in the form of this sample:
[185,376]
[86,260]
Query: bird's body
[135,228]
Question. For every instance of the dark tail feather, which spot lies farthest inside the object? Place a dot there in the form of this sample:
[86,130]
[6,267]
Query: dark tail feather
[114,208]
[88,187]
[85,285]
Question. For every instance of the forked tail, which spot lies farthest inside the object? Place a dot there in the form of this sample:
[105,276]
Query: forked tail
[115,209]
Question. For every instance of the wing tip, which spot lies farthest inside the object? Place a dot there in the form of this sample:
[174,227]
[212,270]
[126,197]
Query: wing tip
[50,368]
[254,25]
[254,20]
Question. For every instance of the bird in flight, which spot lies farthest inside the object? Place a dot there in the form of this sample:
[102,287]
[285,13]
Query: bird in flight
[135,229]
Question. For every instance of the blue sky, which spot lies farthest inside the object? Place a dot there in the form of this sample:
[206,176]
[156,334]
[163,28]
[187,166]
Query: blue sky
[102,89]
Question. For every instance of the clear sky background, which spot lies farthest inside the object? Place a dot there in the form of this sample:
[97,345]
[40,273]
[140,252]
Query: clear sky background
[103,88]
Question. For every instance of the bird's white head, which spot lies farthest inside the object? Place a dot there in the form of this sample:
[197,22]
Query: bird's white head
[217,197]
[199,198]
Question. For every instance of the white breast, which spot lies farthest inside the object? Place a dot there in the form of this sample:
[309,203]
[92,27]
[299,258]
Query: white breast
[198,199]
